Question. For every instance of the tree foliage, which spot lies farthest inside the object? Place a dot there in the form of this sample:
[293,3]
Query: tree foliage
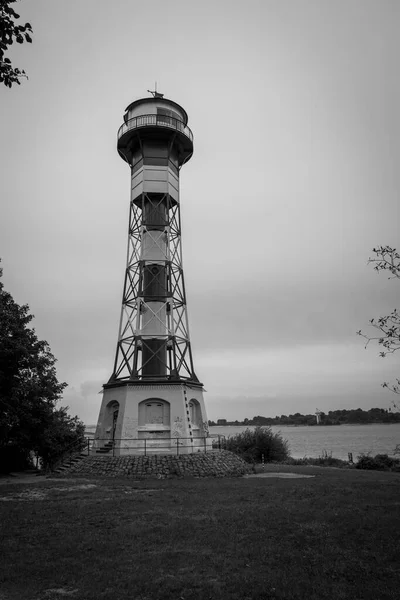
[62,432]
[388,326]
[29,390]
[10,33]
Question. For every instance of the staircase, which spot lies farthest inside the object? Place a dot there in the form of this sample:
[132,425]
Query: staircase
[68,462]
[106,448]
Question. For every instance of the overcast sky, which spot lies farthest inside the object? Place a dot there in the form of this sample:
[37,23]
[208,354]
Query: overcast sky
[294,106]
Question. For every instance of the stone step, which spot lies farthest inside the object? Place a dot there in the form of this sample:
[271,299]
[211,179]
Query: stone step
[70,461]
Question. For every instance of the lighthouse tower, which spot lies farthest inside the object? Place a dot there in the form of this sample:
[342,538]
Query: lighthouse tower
[153,401]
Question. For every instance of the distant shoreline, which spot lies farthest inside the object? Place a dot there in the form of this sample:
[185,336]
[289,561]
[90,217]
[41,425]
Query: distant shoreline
[312,426]
[91,426]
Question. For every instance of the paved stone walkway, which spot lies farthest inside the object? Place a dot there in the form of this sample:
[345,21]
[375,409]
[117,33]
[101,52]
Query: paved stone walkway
[281,475]
[21,477]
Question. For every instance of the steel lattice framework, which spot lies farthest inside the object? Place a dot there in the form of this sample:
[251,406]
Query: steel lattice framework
[136,349]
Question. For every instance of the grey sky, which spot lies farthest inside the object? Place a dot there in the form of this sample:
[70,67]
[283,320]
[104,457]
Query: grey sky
[295,177]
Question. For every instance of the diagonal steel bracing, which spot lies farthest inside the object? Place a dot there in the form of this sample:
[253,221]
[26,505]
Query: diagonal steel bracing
[147,304]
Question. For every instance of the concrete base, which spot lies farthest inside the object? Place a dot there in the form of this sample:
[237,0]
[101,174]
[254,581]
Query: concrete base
[152,419]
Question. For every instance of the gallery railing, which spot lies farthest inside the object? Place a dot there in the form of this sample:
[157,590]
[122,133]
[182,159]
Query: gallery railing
[155,121]
[145,446]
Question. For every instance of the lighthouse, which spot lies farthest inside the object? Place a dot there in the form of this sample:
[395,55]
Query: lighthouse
[153,401]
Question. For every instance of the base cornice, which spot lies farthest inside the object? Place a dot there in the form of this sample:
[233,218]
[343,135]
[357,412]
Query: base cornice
[154,385]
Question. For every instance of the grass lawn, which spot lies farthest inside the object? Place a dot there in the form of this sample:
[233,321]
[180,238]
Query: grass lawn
[335,536]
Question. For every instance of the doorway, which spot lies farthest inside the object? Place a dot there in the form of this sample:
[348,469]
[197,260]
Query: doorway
[114,423]
[111,420]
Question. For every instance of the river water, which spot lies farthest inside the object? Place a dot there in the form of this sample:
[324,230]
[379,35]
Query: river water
[339,440]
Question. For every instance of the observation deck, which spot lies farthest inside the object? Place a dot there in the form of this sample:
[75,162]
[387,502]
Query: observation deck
[158,127]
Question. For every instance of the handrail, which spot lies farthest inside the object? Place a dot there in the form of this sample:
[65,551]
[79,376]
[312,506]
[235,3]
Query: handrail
[155,120]
[110,445]
[74,448]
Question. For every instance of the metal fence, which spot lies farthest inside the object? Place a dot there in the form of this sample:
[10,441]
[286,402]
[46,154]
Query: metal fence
[145,446]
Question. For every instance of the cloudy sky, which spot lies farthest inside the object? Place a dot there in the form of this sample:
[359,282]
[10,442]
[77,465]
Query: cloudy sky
[294,105]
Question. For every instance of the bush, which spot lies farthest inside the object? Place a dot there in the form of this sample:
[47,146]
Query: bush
[380,462]
[326,460]
[251,445]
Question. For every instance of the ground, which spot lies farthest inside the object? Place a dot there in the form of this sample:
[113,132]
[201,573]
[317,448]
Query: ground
[327,537]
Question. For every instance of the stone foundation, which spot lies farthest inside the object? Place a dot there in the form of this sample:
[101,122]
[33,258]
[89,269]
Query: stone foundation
[210,464]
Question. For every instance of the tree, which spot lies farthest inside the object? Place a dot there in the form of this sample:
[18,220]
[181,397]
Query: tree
[10,32]
[29,390]
[386,259]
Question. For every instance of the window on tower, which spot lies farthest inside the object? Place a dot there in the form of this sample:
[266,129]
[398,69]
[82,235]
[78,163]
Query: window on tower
[154,411]
[167,117]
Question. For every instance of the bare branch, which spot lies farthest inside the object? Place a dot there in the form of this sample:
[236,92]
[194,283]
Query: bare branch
[387,259]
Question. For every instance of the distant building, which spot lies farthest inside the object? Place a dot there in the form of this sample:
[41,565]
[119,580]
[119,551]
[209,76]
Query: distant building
[221,422]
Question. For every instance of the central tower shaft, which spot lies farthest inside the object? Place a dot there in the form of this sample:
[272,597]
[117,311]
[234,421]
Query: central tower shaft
[153,340]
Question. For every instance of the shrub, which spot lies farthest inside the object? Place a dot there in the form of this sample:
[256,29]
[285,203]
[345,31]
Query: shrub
[326,460]
[252,444]
[380,462]
[386,460]
[297,461]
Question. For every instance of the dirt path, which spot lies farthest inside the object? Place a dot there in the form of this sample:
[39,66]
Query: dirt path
[28,477]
